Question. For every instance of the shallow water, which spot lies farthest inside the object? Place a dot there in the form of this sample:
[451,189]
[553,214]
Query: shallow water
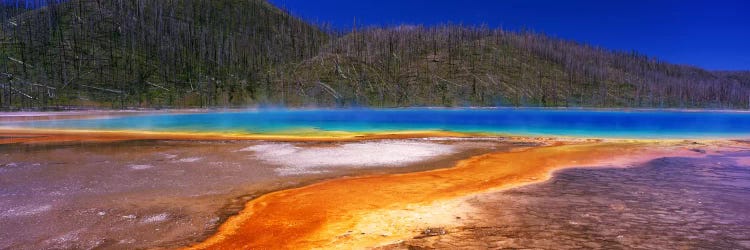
[554,122]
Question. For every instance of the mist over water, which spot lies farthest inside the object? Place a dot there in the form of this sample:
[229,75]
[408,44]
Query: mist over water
[552,122]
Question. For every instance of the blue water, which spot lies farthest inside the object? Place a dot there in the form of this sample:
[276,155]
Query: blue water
[557,122]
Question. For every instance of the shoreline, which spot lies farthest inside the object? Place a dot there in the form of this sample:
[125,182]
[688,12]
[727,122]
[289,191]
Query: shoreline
[10,135]
[26,135]
[251,108]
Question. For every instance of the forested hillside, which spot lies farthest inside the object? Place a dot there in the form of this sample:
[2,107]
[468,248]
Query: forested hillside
[456,66]
[126,53]
[190,53]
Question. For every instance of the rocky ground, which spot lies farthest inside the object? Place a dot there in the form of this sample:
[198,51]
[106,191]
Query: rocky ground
[162,193]
[667,203]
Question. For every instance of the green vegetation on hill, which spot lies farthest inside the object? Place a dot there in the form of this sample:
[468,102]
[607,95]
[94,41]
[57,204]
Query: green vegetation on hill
[457,66]
[187,53]
[148,53]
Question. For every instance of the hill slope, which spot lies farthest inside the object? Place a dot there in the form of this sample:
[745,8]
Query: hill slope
[185,53]
[455,66]
[148,53]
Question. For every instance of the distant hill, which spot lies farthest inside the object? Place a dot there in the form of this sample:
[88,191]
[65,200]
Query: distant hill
[740,76]
[148,53]
[459,66]
[233,53]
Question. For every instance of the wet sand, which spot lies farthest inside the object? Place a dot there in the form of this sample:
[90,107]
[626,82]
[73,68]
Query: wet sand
[160,193]
[667,203]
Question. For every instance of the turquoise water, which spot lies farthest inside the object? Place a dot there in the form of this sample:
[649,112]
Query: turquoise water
[554,122]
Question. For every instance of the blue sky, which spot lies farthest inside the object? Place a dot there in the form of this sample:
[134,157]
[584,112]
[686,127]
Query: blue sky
[710,34]
[26,3]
